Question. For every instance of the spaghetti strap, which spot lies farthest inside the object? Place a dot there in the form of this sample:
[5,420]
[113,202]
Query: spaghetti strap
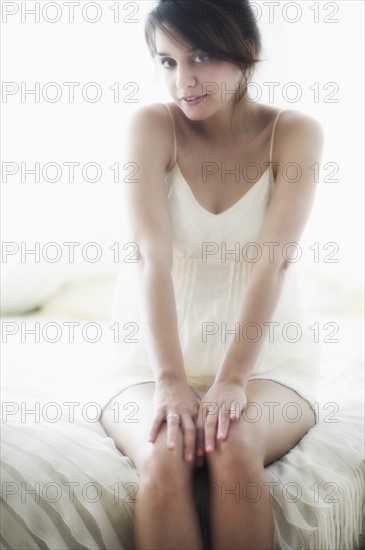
[272,138]
[174,132]
[271,142]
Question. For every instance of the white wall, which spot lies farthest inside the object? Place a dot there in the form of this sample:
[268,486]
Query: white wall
[108,52]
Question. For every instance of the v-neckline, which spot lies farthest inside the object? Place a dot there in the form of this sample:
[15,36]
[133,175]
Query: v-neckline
[227,210]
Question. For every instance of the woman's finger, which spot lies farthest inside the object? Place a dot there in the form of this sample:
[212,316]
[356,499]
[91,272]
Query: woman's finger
[223,422]
[173,421]
[189,431]
[235,410]
[210,426]
[155,427]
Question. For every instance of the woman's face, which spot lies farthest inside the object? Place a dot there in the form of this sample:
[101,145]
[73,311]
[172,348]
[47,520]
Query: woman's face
[192,72]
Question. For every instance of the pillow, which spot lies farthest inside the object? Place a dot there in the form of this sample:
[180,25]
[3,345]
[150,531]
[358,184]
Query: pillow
[26,286]
[83,299]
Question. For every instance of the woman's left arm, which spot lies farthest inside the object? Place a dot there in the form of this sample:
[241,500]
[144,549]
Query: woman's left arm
[299,146]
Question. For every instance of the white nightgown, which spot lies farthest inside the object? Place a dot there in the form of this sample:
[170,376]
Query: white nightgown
[212,260]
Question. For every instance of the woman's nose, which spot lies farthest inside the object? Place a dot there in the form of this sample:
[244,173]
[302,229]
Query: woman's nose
[185,78]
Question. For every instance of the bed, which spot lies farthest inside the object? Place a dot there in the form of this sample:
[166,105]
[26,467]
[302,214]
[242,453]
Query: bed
[65,485]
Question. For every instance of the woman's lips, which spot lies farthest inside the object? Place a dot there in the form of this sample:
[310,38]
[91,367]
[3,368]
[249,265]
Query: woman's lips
[196,101]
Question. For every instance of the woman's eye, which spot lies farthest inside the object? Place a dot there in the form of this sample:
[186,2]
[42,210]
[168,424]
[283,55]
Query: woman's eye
[163,61]
[169,63]
[204,56]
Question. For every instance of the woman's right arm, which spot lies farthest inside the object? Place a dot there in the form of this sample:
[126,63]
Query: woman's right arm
[145,204]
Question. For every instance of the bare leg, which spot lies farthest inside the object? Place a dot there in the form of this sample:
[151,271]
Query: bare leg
[241,514]
[165,515]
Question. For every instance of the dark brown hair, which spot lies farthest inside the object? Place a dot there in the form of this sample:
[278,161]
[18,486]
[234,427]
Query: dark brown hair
[223,29]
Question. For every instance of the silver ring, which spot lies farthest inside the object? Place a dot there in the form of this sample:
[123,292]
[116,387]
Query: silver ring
[173,415]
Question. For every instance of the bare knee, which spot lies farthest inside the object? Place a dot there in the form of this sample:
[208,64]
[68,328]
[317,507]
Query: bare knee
[164,469]
[239,455]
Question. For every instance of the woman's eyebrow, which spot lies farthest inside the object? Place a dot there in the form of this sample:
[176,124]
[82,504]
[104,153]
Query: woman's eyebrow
[193,49]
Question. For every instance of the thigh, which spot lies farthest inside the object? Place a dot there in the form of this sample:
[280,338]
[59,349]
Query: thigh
[128,417]
[276,417]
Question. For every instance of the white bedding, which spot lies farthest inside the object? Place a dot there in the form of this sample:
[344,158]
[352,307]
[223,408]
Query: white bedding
[84,488]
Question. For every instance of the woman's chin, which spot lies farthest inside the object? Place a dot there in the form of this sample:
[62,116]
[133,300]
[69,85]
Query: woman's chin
[200,112]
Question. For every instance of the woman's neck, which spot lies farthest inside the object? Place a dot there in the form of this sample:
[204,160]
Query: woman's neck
[231,122]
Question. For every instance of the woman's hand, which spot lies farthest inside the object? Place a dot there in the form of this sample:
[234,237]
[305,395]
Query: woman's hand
[175,397]
[222,404]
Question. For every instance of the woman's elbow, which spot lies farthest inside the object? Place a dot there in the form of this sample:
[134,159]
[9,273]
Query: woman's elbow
[155,258]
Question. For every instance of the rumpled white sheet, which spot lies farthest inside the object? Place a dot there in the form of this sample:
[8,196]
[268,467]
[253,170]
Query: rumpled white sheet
[84,488]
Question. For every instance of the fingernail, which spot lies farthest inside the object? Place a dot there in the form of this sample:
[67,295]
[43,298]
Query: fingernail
[189,456]
[209,447]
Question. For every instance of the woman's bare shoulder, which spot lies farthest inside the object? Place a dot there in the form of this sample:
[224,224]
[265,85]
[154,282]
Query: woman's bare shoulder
[152,124]
[294,127]
[298,140]
[153,118]
[289,118]
[292,120]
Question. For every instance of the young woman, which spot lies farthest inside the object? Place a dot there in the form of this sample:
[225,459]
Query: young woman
[219,370]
